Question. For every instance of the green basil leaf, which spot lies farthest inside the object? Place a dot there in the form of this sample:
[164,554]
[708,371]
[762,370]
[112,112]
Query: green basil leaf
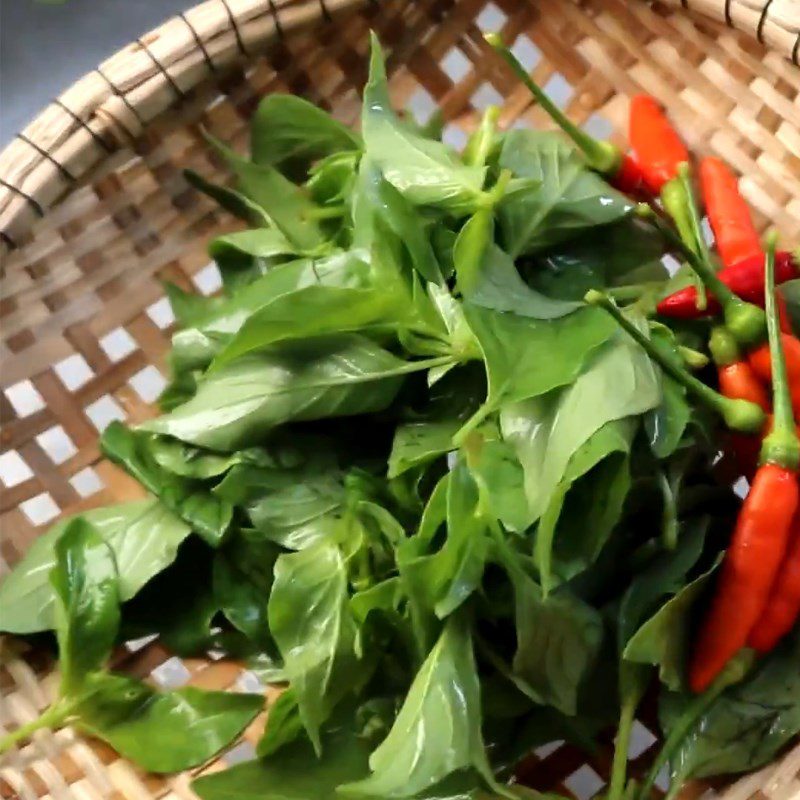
[498,286]
[294,773]
[333,179]
[293,507]
[321,377]
[288,207]
[232,201]
[443,580]
[586,505]
[284,724]
[562,197]
[244,256]
[747,725]
[311,311]
[513,348]
[163,732]
[143,535]
[547,431]
[558,642]
[418,443]
[85,582]
[663,640]
[204,512]
[623,253]
[664,577]
[426,172]
[242,580]
[437,730]
[318,645]
[400,216]
[288,128]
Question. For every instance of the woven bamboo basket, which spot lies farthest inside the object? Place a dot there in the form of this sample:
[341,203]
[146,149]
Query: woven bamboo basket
[94,214]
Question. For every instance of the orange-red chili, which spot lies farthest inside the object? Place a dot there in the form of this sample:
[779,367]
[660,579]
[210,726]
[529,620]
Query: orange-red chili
[759,542]
[745,278]
[735,236]
[656,146]
[783,605]
[760,361]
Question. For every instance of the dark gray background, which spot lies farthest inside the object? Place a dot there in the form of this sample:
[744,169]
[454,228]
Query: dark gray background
[44,47]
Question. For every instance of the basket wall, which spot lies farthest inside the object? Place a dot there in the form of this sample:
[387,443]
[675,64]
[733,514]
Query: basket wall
[85,325]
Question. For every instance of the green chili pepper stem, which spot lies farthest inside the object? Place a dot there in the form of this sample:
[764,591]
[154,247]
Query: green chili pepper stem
[781,445]
[674,199]
[326,212]
[693,359]
[603,157]
[734,671]
[723,347]
[480,143]
[745,320]
[739,415]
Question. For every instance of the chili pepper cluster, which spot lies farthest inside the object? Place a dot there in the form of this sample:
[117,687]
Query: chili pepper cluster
[757,597]
[757,358]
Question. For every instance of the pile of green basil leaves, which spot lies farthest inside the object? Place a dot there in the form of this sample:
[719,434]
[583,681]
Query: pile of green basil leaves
[404,471]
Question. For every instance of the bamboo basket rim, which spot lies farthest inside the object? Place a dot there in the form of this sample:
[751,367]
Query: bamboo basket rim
[111,106]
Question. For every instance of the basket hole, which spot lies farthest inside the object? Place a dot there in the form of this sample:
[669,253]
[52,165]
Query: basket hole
[742,487]
[148,384]
[104,411]
[13,469]
[641,740]
[134,645]
[244,751]
[208,280]
[491,18]
[486,96]
[546,750]
[24,398]
[559,89]
[86,482]
[584,782]
[73,371]
[118,344]
[708,233]
[171,674]
[456,65]
[161,313]
[526,52]
[40,509]
[599,127]
[57,444]
[671,264]
[454,136]
[248,682]
[662,779]
[421,105]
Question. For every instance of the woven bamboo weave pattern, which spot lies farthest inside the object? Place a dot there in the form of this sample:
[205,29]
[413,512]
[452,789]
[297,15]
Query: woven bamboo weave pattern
[95,214]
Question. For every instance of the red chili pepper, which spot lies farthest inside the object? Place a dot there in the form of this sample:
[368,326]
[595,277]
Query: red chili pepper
[621,170]
[656,146]
[745,279]
[745,321]
[760,361]
[762,530]
[737,380]
[783,606]
[735,235]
